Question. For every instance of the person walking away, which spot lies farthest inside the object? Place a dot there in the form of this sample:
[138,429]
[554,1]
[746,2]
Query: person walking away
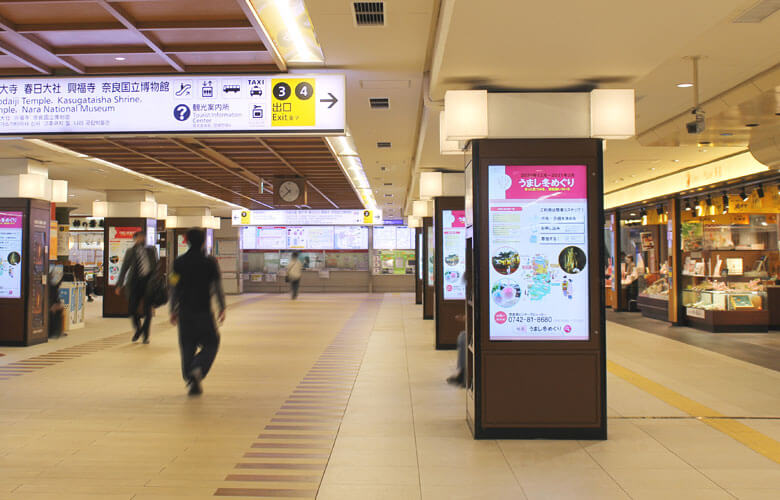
[137,267]
[195,281]
[294,273]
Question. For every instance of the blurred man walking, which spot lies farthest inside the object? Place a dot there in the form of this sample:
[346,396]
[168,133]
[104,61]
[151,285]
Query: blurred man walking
[195,280]
[137,267]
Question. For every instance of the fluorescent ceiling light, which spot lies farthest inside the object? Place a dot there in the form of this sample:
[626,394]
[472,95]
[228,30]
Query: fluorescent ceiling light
[684,85]
[290,29]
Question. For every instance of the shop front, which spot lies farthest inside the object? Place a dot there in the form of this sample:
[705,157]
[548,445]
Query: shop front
[707,258]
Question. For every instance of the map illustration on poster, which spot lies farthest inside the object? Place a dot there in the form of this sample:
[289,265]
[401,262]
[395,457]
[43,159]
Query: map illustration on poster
[11,226]
[538,252]
[119,240]
[454,253]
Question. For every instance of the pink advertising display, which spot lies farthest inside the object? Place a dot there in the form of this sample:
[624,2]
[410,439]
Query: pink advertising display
[11,227]
[538,252]
[454,254]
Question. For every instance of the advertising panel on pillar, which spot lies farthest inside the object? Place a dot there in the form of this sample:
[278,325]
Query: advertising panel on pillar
[11,227]
[119,240]
[454,253]
[539,286]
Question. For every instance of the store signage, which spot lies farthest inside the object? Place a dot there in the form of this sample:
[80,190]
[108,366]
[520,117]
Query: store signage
[173,104]
[306,217]
[692,312]
[11,253]
[120,239]
[538,248]
[454,253]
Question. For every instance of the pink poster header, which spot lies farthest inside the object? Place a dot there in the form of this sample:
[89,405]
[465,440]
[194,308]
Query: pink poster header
[11,220]
[458,219]
[555,181]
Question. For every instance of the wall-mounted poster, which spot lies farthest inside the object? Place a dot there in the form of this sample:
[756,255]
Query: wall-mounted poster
[119,240]
[11,253]
[454,254]
[420,261]
[647,241]
[181,244]
[538,247]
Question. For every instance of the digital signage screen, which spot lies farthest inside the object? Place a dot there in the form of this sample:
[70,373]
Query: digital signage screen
[11,254]
[404,238]
[319,237]
[454,254]
[538,251]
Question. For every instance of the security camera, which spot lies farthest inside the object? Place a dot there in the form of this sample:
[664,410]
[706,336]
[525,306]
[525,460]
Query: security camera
[697,126]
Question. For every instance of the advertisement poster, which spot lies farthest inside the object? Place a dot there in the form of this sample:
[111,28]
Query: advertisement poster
[647,241]
[538,252]
[419,252]
[119,240]
[431,256]
[181,244]
[454,252]
[11,225]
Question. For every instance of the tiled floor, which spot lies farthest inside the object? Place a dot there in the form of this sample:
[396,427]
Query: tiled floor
[343,397]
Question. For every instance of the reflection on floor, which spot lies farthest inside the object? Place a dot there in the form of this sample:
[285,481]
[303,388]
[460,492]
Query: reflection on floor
[343,397]
[762,349]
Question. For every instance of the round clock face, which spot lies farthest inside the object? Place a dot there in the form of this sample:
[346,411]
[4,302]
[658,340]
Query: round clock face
[289,191]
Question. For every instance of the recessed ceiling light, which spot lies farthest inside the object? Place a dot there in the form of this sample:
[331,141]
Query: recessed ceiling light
[752,124]
[652,168]
[684,85]
[120,58]
[726,134]
[676,161]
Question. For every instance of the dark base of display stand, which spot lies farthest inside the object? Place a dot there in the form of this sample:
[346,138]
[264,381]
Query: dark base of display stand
[583,433]
[732,321]
[654,308]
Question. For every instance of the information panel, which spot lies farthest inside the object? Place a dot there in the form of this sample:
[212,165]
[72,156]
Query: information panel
[306,217]
[384,238]
[538,252]
[271,238]
[351,237]
[454,252]
[404,238]
[319,237]
[172,103]
[11,227]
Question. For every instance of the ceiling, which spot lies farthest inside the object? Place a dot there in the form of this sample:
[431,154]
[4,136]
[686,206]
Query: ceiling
[424,48]
[88,37]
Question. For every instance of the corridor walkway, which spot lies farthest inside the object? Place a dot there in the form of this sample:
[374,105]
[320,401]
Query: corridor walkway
[343,397]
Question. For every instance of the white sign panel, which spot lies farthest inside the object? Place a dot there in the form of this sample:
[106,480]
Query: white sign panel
[173,104]
[306,217]
[351,237]
[454,252]
[537,231]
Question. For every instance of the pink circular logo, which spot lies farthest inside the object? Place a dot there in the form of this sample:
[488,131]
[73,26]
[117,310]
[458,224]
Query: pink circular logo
[567,328]
[500,317]
[449,288]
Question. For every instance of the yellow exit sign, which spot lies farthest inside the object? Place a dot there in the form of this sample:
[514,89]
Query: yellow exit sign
[292,102]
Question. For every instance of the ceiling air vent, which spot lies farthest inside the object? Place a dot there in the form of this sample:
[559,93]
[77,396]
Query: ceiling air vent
[759,12]
[384,144]
[369,13]
[379,102]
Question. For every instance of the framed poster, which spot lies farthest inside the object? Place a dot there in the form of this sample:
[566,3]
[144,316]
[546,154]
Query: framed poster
[419,251]
[119,240]
[537,231]
[647,241]
[454,254]
[11,254]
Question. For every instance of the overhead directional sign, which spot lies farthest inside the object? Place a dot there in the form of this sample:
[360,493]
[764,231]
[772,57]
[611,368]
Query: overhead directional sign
[173,104]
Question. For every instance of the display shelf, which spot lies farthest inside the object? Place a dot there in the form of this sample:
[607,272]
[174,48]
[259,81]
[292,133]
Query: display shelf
[729,321]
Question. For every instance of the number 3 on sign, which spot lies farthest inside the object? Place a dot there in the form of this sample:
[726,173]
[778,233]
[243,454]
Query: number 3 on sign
[292,102]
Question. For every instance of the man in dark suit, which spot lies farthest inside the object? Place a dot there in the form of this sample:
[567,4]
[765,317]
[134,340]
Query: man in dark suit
[195,280]
[138,265]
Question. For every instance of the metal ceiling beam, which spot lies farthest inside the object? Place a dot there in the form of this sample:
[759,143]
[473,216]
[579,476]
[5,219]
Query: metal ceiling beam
[297,172]
[10,29]
[123,18]
[144,49]
[182,171]
[24,59]
[238,24]
[218,160]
